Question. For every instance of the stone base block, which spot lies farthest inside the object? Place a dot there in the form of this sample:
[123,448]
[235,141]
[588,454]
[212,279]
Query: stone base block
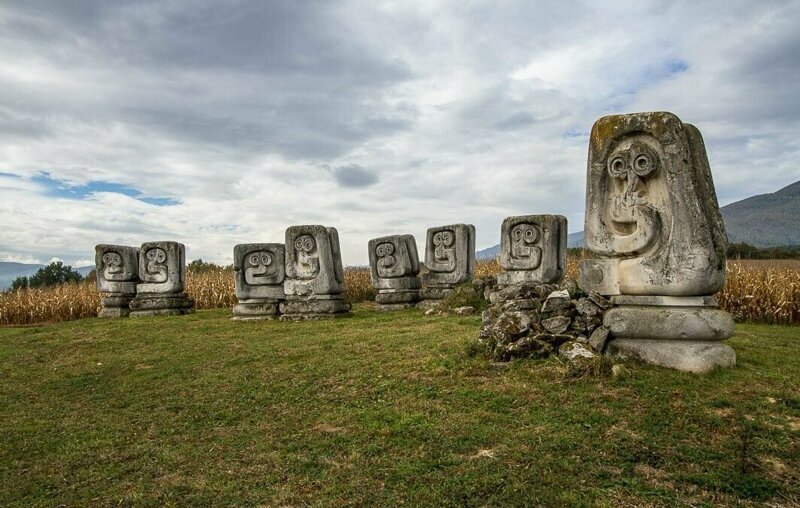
[114,312]
[435,293]
[251,311]
[115,305]
[397,296]
[688,356]
[299,309]
[668,323]
[161,304]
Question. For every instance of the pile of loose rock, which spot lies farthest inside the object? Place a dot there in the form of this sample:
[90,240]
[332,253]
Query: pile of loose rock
[537,320]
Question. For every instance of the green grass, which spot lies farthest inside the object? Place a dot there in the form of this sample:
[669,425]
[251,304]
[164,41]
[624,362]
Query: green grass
[379,409]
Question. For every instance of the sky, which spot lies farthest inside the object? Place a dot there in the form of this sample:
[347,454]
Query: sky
[217,123]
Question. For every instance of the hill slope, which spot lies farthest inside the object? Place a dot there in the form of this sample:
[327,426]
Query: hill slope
[766,220]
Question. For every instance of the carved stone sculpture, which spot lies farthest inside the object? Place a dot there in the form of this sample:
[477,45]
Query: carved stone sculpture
[162,269]
[450,260]
[653,221]
[117,268]
[394,270]
[533,248]
[259,272]
[314,284]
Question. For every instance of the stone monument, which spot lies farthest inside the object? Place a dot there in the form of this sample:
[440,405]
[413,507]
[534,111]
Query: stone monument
[449,259]
[533,248]
[117,269]
[259,271]
[314,284]
[162,269]
[394,270]
[653,222]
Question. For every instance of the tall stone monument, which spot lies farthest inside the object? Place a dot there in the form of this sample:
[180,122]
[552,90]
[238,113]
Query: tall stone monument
[259,272]
[314,284]
[162,271]
[394,270]
[533,249]
[117,269]
[450,260]
[653,221]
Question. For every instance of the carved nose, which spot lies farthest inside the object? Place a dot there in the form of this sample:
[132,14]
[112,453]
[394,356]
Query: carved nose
[632,180]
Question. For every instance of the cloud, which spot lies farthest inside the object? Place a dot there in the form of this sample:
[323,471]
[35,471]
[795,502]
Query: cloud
[216,123]
[354,176]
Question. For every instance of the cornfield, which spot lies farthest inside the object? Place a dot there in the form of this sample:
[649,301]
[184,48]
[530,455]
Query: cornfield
[756,291]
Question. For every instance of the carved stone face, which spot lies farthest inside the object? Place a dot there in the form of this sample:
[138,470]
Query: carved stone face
[652,216]
[259,270]
[523,244]
[532,249]
[307,257]
[450,254]
[117,268]
[444,255]
[394,263]
[313,261]
[155,265]
[162,267]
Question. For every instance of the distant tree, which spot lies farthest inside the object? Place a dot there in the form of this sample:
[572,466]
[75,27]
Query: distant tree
[20,282]
[53,274]
[199,266]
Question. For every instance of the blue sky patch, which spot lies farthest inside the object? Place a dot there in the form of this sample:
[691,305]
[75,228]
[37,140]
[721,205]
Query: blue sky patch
[61,189]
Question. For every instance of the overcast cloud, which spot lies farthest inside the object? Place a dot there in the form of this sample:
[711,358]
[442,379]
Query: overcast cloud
[216,123]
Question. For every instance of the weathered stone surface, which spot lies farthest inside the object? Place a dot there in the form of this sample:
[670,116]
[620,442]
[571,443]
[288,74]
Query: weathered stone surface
[297,309]
[434,294]
[652,213]
[255,311]
[587,307]
[313,261]
[598,338]
[689,356]
[449,255]
[397,296]
[156,301]
[533,248]
[654,226]
[394,262]
[162,267]
[666,301]
[117,268]
[115,300]
[527,347]
[674,323]
[557,300]
[558,324]
[113,312]
[259,271]
[573,350]
[464,311]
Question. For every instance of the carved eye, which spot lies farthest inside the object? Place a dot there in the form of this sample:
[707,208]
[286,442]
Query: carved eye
[447,238]
[107,258]
[389,249]
[308,244]
[379,251]
[616,167]
[531,234]
[517,233]
[162,256]
[437,238]
[151,254]
[254,259]
[266,259]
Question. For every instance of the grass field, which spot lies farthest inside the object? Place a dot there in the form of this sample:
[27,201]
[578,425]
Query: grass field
[379,409]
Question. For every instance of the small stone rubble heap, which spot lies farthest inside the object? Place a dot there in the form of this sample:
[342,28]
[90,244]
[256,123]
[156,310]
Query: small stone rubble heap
[530,320]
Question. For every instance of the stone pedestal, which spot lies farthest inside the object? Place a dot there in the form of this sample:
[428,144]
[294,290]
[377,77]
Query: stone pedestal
[300,308]
[115,305]
[256,309]
[161,304]
[683,333]
[397,299]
